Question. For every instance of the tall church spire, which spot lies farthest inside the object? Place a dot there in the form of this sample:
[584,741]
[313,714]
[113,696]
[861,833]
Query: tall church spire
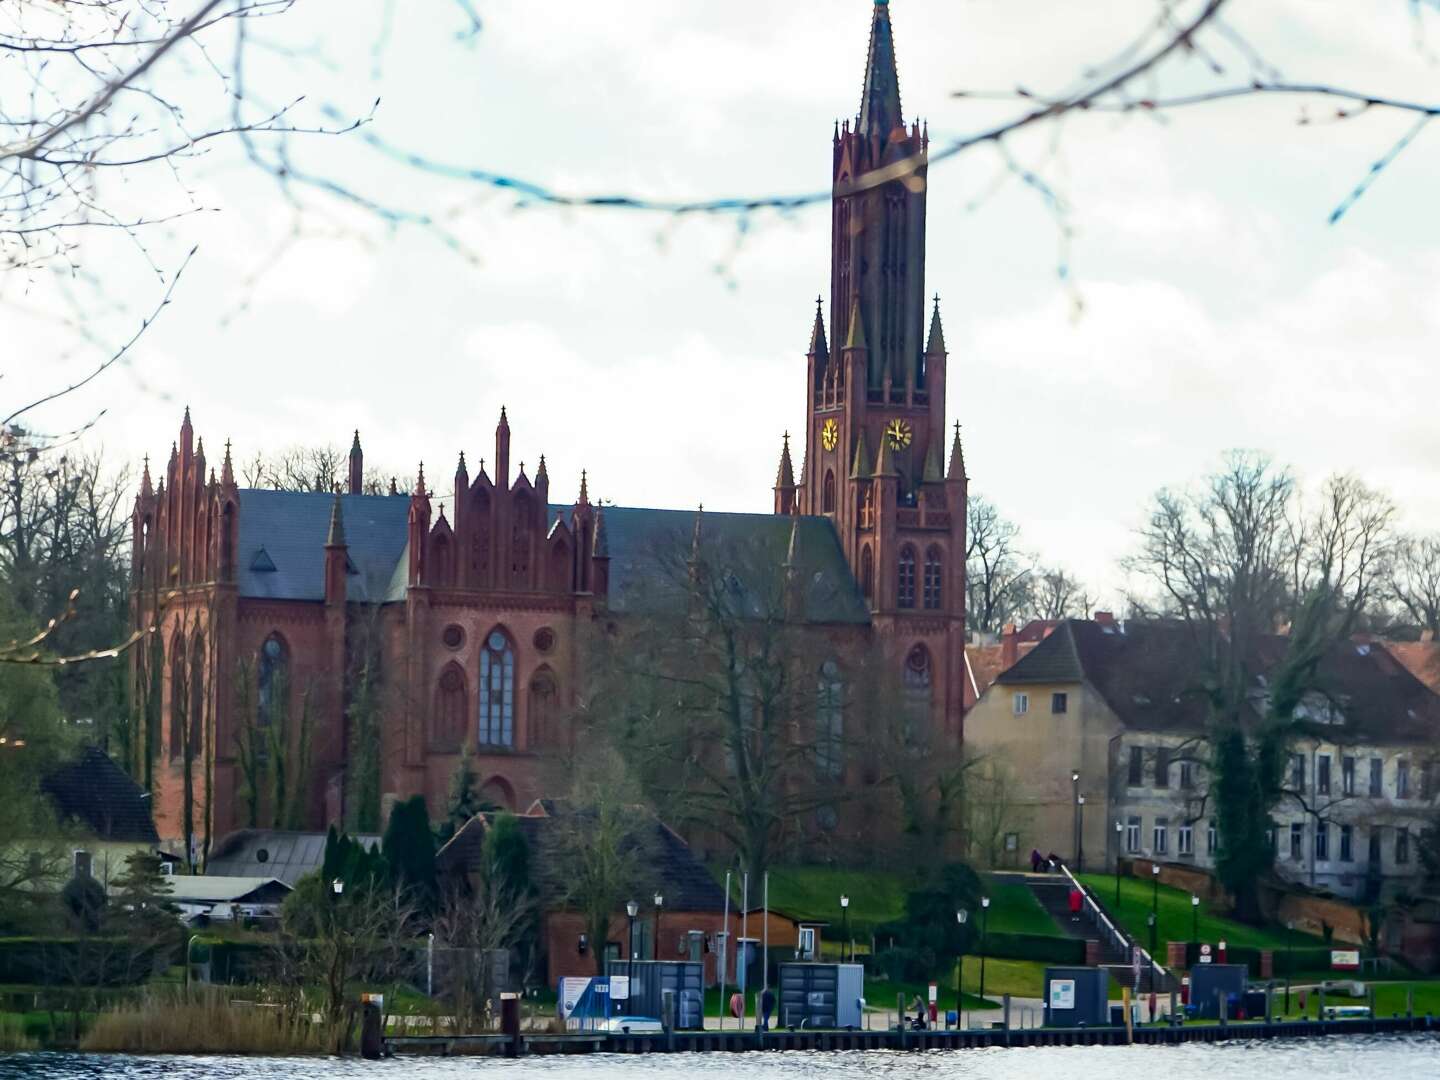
[880,111]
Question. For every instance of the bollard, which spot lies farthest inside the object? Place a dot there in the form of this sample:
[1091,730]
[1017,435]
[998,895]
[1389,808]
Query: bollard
[510,1023]
[1409,1003]
[370,1034]
[1320,1005]
[1007,1019]
[1174,1016]
[1224,1008]
[1269,1002]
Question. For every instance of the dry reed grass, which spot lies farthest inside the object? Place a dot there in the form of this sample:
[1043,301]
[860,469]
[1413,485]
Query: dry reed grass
[204,1022]
[13,1039]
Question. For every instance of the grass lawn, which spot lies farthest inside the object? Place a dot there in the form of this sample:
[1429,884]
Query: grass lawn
[1389,999]
[878,896]
[1175,918]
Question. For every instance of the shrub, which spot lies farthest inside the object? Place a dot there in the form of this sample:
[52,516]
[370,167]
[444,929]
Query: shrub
[1050,950]
[904,963]
[204,1022]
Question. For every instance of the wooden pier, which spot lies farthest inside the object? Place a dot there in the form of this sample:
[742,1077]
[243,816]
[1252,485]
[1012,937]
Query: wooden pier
[733,1041]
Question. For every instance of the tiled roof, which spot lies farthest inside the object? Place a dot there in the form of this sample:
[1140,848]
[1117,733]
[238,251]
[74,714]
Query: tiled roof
[287,529]
[1149,675]
[95,792]
[669,865]
[1421,659]
[272,853]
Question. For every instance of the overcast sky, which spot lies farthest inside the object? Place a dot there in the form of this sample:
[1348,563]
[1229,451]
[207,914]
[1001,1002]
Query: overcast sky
[1210,305]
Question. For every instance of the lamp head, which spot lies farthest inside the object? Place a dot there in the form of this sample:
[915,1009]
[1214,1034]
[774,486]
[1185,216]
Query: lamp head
[984,901]
[1154,869]
[961,916]
[632,908]
[338,886]
[844,901]
[1074,777]
[659,900]
[1081,800]
[1119,828]
[1194,900]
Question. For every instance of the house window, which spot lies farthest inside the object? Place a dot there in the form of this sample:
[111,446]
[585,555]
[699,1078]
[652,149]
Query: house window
[1347,843]
[1347,775]
[906,575]
[1137,766]
[1322,774]
[1377,778]
[1297,771]
[934,573]
[1021,704]
[1297,841]
[1372,855]
[272,678]
[1187,775]
[1162,766]
[1185,841]
[1161,835]
[1402,779]
[1322,841]
[827,497]
[805,946]
[1427,780]
[497,691]
[1132,835]
[1402,845]
[1211,838]
[1059,703]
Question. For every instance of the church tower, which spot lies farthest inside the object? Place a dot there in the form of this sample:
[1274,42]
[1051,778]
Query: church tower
[875,438]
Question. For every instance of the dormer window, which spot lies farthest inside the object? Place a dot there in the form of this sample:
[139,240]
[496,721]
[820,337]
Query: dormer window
[262,563]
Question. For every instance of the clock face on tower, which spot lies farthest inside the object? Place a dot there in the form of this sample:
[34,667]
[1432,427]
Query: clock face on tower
[899,434]
[829,434]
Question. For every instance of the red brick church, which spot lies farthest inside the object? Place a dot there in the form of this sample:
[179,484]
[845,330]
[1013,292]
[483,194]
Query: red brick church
[478,612]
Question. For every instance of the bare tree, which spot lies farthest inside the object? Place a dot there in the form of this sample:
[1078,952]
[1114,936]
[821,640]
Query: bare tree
[1415,581]
[997,573]
[485,916]
[1055,594]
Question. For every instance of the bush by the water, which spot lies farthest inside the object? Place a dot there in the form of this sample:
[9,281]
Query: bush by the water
[205,1022]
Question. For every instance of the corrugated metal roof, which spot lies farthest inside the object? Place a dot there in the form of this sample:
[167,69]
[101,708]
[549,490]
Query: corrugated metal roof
[290,527]
[213,889]
[287,856]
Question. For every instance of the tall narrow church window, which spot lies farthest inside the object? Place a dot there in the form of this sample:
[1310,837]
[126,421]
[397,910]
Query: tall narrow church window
[906,593]
[916,681]
[520,543]
[272,677]
[827,498]
[867,572]
[448,723]
[478,521]
[197,692]
[830,723]
[934,565]
[178,696]
[497,691]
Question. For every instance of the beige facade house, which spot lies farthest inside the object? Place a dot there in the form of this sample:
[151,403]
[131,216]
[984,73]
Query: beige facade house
[1103,729]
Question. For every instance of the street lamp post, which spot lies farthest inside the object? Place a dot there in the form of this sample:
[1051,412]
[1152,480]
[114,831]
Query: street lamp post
[1194,918]
[1155,887]
[1152,920]
[961,917]
[984,939]
[632,908]
[845,917]
[1080,835]
[1119,832]
[1075,817]
[659,903]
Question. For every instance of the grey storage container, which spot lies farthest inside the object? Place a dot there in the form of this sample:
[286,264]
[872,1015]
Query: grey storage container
[1209,981]
[650,980]
[819,995]
[1076,997]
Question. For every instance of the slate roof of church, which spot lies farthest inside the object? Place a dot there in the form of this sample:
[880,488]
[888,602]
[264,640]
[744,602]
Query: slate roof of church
[287,530]
[96,793]
[290,527]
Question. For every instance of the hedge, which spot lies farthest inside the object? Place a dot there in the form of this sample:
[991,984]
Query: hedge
[1050,950]
[1306,960]
[48,961]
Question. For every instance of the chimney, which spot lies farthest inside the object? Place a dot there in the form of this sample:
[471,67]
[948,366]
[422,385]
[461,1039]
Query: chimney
[1105,618]
[1009,647]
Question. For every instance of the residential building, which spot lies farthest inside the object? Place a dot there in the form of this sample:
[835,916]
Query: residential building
[105,814]
[1131,738]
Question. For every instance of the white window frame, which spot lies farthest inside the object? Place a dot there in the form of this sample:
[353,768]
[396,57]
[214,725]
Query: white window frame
[1132,836]
[1020,703]
[1212,837]
[1160,836]
[1185,840]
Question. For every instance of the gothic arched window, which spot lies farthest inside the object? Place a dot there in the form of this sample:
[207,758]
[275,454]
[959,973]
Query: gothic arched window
[827,497]
[830,723]
[867,572]
[520,542]
[544,713]
[497,691]
[905,594]
[934,566]
[915,694]
[271,681]
[447,725]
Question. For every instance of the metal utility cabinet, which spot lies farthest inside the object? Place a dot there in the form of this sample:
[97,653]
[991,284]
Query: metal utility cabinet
[1076,997]
[820,995]
[1209,981]
[651,980]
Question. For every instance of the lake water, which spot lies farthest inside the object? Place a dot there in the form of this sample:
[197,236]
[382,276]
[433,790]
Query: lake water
[1410,1057]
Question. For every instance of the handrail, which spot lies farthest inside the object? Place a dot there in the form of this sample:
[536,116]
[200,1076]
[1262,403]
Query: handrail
[1098,914]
